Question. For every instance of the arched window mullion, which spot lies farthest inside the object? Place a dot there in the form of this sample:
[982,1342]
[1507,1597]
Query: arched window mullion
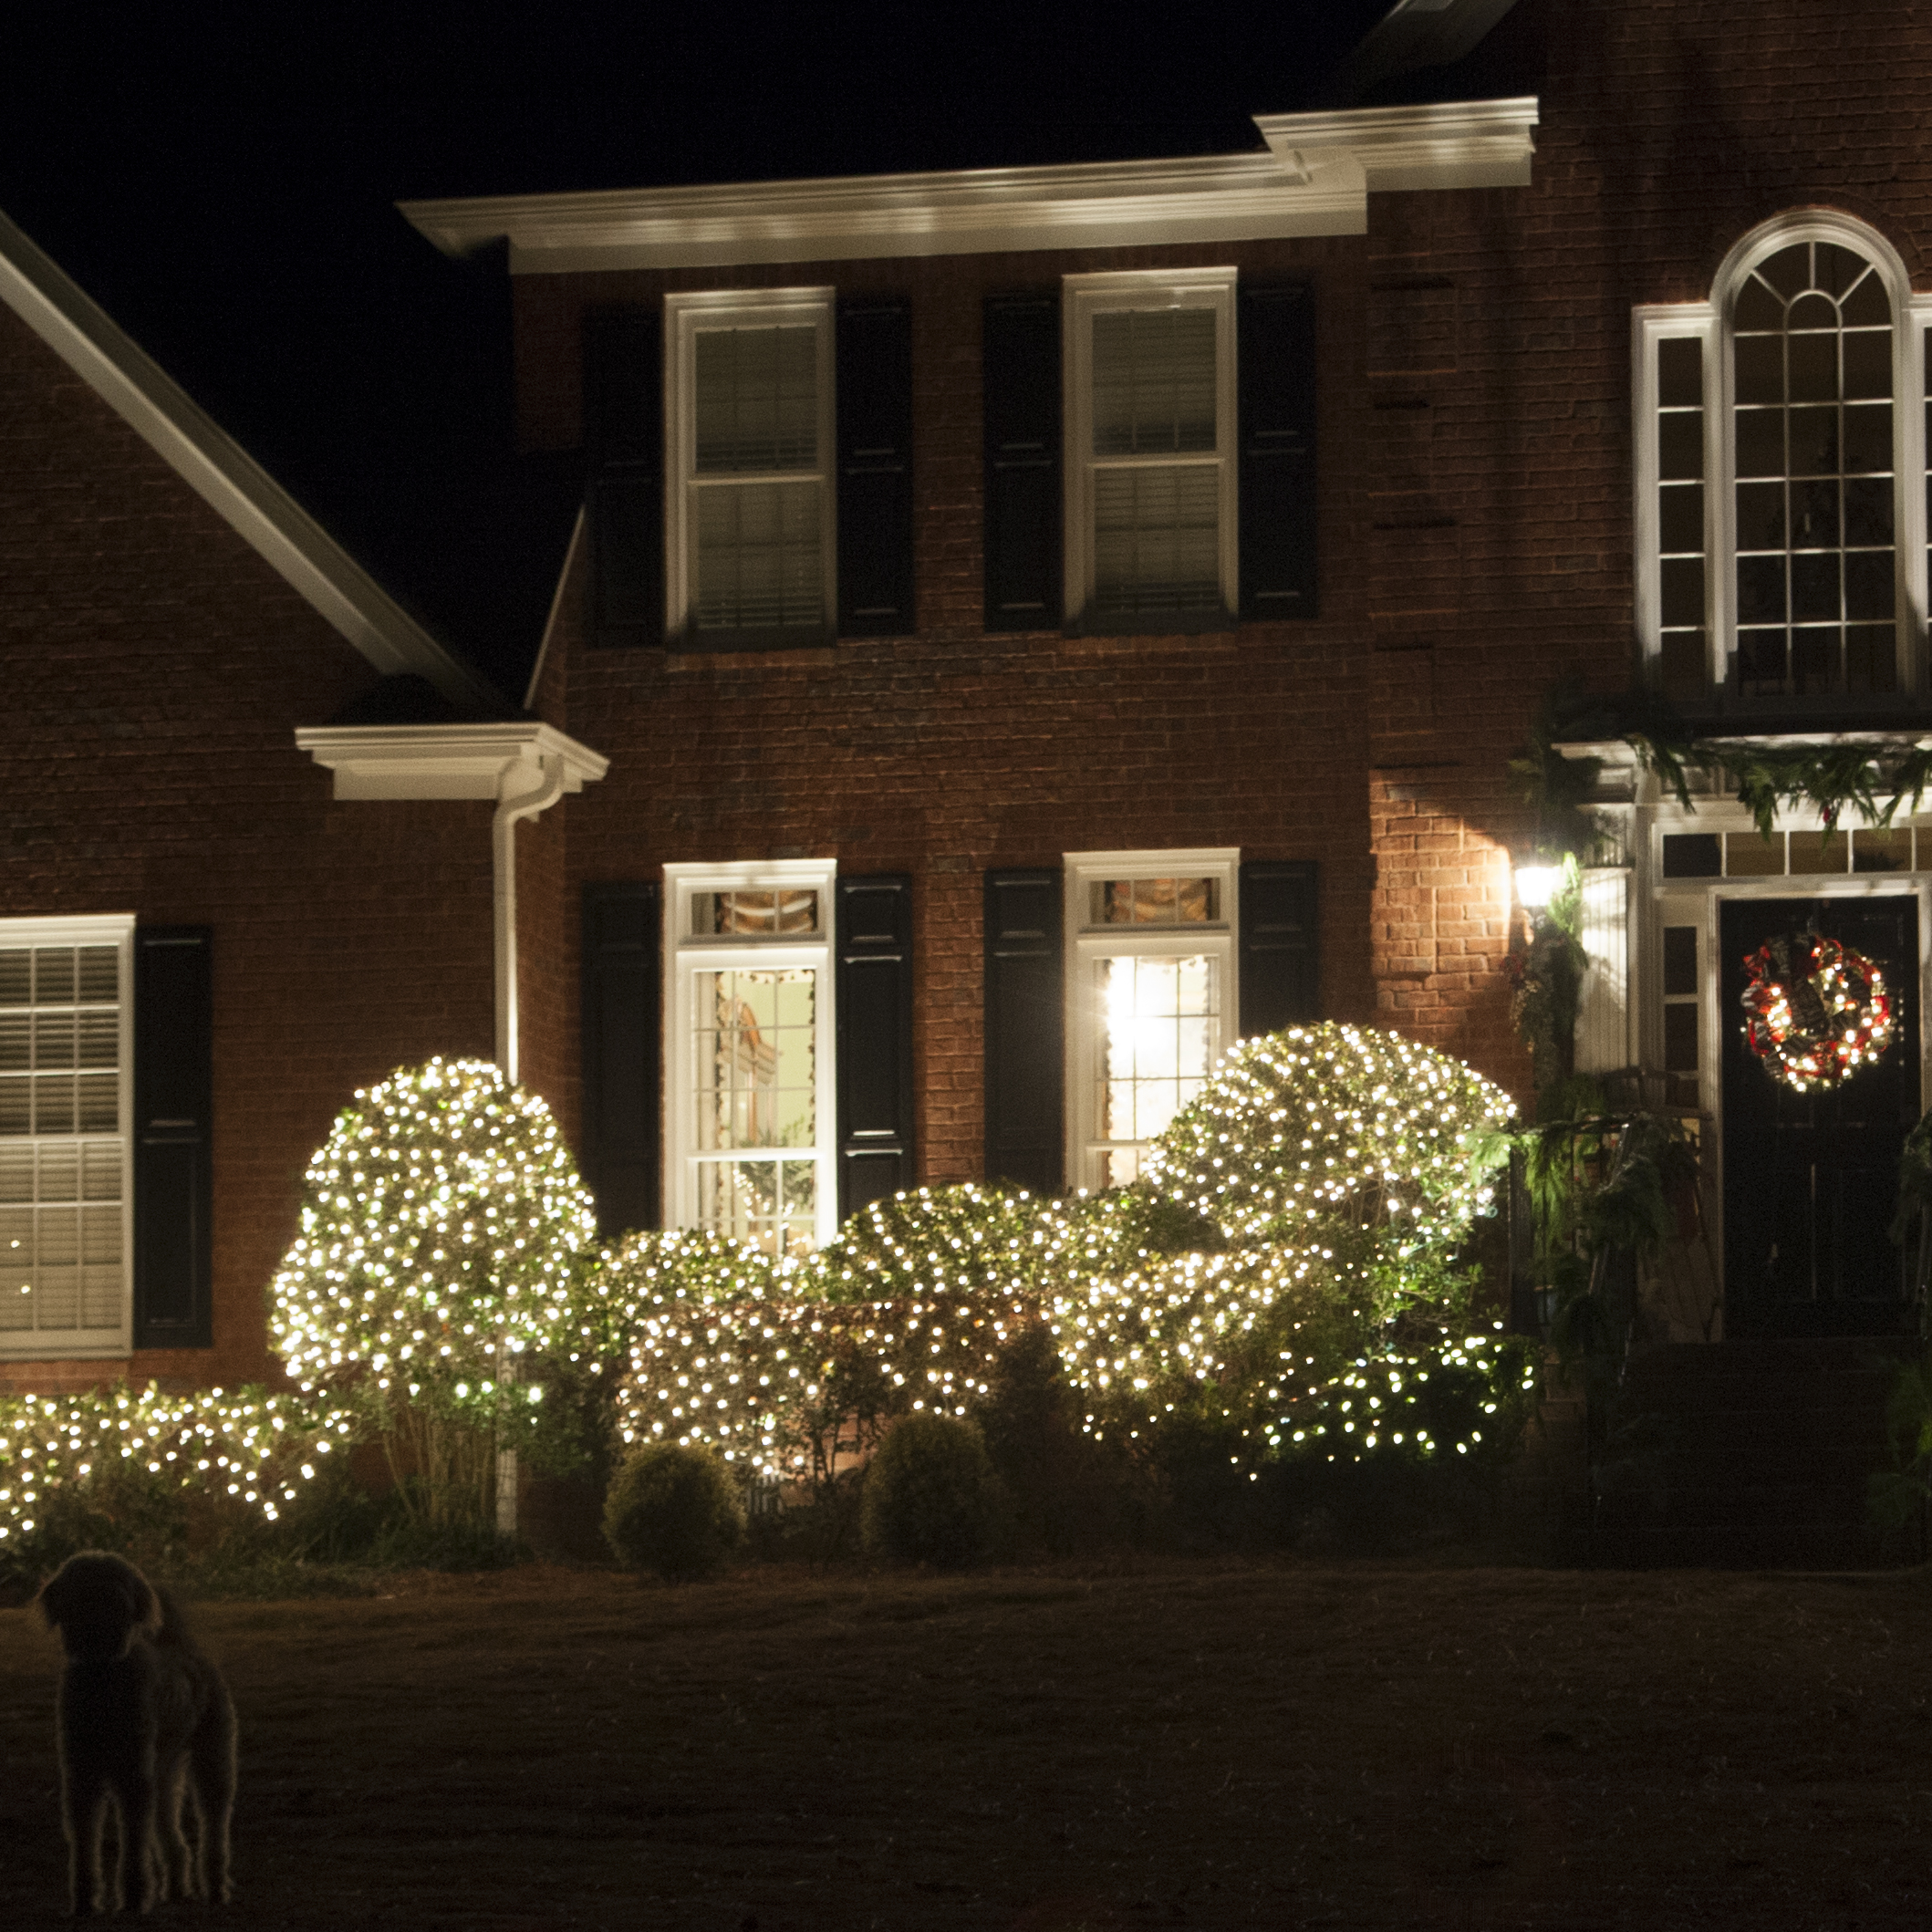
[1809,622]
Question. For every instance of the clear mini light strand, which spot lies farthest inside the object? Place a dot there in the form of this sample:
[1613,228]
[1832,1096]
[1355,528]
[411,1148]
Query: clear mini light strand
[245,1444]
[440,1226]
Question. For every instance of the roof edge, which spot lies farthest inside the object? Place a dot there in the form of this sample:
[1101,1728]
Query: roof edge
[1313,178]
[224,474]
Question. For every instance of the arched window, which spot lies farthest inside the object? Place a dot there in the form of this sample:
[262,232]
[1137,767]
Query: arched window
[1780,500]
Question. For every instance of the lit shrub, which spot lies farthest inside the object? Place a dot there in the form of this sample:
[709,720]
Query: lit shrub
[675,1510]
[930,1494]
[1306,1136]
[439,1227]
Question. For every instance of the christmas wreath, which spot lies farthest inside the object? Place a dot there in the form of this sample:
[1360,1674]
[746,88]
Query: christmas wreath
[1815,1011]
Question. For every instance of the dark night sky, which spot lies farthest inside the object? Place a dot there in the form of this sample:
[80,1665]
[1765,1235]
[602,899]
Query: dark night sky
[222,179]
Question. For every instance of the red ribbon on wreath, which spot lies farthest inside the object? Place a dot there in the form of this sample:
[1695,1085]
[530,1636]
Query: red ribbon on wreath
[1816,1012]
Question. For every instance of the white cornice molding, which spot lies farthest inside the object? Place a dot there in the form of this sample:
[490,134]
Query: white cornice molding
[1314,179]
[500,762]
[224,474]
[1458,144]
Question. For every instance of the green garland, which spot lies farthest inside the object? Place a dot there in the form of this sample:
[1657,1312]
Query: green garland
[1868,779]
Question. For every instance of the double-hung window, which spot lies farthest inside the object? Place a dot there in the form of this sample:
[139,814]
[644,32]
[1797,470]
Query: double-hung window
[66,1101]
[1151,997]
[750,1052]
[751,543]
[1781,521]
[1150,503]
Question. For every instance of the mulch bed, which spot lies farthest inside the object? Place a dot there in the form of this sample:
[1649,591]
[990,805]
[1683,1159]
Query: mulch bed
[1157,1743]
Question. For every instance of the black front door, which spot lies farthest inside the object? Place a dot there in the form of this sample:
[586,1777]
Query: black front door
[1811,1179]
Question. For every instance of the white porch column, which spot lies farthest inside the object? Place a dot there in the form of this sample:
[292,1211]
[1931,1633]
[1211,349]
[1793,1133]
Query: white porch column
[1605,1042]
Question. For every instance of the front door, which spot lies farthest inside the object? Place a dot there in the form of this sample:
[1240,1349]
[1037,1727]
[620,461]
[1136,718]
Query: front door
[1811,1179]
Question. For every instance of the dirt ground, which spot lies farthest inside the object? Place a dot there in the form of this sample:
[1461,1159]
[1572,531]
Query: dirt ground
[1165,1743]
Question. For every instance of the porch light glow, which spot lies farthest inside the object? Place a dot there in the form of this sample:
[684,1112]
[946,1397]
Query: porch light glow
[1536,885]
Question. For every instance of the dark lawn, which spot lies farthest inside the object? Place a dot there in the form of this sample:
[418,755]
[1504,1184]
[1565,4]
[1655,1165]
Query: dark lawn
[1202,1743]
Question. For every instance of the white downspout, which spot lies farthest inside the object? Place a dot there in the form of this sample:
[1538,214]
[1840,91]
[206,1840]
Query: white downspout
[516,799]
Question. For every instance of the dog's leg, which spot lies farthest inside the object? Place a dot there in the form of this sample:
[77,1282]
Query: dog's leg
[171,1848]
[211,1774]
[84,1809]
[189,1836]
[140,1840]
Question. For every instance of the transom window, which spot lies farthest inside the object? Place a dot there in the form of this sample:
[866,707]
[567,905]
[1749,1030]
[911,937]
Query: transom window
[751,425]
[1150,511]
[1150,998]
[749,1050]
[65,1043]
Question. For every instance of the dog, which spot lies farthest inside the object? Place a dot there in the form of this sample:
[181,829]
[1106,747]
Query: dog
[144,1723]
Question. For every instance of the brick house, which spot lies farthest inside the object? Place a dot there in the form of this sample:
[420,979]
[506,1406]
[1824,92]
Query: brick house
[1045,623]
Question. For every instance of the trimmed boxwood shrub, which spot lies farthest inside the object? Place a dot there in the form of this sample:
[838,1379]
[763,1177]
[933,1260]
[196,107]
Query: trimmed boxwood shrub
[930,1494]
[673,1510]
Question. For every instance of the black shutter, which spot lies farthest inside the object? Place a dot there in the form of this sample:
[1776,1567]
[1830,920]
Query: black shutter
[1019,364]
[624,503]
[1277,345]
[875,468]
[1281,979]
[621,1032]
[173,1099]
[875,1039]
[1025,1071]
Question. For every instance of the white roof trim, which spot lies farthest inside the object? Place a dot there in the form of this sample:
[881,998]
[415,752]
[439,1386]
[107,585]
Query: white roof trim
[224,474]
[1314,179]
[447,761]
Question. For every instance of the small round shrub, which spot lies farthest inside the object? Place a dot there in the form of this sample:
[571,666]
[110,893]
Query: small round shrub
[673,1510]
[930,1494]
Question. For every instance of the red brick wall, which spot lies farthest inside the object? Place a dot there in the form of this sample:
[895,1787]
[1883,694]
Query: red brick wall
[947,752]
[157,669]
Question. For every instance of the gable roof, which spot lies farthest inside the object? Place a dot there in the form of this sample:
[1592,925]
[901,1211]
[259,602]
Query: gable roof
[226,477]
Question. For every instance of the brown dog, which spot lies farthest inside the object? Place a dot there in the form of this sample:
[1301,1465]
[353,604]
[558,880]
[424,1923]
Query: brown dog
[144,1723]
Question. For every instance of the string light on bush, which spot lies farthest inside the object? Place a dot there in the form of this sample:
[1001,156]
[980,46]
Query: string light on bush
[247,1446]
[441,1226]
[1317,1126]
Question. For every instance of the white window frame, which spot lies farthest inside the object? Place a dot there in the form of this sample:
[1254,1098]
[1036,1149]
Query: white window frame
[687,314]
[82,1344]
[1708,322]
[685,956]
[1086,944]
[1082,298]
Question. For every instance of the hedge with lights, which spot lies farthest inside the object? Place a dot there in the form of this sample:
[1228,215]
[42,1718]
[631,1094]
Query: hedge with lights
[244,1445]
[1285,1273]
[442,1224]
[1292,1249]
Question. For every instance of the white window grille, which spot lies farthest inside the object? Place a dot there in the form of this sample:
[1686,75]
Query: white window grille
[1781,553]
[749,413]
[65,1100]
[1150,482]
[750,1048]
[1151,997]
